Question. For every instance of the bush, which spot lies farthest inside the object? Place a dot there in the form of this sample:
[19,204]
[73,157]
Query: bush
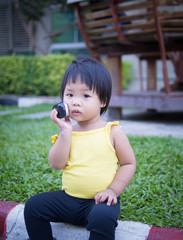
[127,74]
[36,75]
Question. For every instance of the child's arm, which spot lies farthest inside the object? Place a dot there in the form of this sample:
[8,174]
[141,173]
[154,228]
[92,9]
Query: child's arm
[59,153]
[126,171]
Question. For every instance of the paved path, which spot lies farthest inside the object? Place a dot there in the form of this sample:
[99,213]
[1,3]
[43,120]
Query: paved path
[135,122]
[152,129]
[6,112]
[141,123]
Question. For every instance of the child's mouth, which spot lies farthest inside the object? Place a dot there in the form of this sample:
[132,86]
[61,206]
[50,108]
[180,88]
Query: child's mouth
[76,112]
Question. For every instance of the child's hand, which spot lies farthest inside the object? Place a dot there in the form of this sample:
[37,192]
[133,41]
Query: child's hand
[63,125]
[106,195]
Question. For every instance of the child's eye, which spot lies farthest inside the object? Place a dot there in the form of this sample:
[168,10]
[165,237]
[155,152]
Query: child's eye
[86,96]
[70,95]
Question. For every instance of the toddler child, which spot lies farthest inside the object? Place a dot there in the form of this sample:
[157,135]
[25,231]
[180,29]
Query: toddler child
[97,160]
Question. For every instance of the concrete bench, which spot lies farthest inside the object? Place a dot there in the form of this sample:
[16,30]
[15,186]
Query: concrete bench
[12,227]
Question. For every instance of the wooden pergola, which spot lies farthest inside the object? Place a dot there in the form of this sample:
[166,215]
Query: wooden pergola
[153,29]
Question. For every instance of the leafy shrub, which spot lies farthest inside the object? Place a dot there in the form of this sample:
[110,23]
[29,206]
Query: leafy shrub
[127,74]
[33,75]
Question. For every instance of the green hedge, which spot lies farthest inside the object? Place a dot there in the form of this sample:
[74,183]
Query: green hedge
[35,75]
[127,74]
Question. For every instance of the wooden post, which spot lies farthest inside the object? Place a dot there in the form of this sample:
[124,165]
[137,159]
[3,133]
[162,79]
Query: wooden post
[140,75]
[162,47]
[151,75]
[180,68]
[177,60]
[115,70]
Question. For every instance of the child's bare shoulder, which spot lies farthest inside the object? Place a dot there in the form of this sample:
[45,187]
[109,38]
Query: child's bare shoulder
[116,128]
[117,132]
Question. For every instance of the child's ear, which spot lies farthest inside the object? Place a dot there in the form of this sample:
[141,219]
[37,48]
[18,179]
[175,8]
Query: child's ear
[102,105]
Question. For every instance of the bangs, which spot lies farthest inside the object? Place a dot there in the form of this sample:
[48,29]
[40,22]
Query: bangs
[76,73]
[80,76]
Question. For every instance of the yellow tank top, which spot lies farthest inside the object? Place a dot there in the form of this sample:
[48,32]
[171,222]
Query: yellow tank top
[92,164]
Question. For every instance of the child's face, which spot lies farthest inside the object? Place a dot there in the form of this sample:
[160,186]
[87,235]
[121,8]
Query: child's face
[84,104]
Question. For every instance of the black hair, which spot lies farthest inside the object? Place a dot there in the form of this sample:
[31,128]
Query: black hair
[94,74]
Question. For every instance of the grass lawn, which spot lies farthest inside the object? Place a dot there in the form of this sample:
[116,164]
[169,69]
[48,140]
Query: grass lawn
[154,196]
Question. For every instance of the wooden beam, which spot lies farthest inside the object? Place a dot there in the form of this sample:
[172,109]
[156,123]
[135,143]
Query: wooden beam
[122,19]
[135,5]
[162,48]
[169,2]
[82,29]
[97,14]
[121,35]
[170,15]
[180,68]
[148,100]
[118,50]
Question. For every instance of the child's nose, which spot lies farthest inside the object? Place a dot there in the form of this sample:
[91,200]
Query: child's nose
[76,102]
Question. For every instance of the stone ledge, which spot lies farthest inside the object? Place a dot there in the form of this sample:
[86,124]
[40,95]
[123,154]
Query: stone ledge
[14,228]
[27,101]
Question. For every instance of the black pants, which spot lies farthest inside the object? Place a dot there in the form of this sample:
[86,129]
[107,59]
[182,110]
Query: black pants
[40,210]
